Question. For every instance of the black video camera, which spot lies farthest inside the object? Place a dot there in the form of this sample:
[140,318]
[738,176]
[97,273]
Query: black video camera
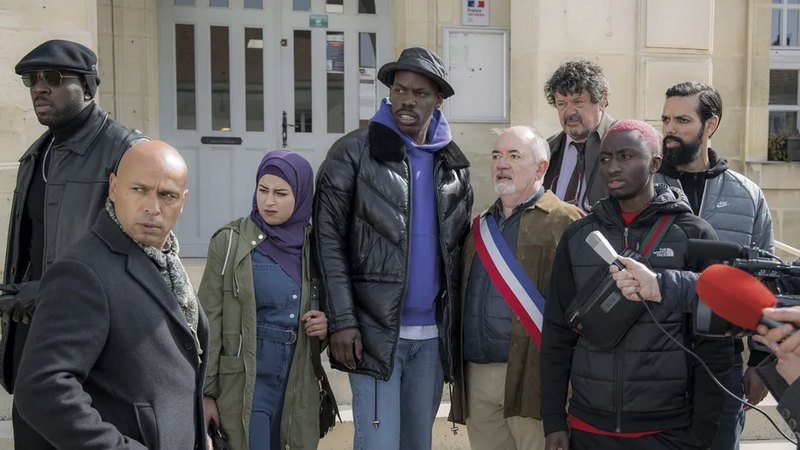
[780,278]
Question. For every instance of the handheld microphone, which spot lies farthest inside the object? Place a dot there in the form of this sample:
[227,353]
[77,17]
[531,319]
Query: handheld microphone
[736,296]
[600,245]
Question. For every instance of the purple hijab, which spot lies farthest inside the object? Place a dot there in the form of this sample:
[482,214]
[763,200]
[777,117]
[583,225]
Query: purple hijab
[284,243]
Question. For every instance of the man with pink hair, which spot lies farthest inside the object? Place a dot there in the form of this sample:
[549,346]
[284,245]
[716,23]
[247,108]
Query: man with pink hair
[642,391]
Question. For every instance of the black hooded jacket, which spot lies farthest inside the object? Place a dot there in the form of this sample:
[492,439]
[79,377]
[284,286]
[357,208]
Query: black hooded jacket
[646,382]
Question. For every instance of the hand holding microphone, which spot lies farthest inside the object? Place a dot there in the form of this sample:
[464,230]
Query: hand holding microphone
[635,280]
[784,340]
[741,299]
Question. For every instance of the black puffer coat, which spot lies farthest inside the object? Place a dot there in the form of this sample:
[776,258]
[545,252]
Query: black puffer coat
[646,382]
[361,228]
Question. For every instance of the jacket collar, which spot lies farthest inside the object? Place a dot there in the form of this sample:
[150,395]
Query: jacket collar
[139,267]
[386,145]
[249,238]
[667,199]
[547,203]
[80,141]
[716,166]
[558,141]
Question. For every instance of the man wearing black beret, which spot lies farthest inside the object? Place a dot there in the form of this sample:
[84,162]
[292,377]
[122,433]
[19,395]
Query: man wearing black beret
[62,184]
[392,207]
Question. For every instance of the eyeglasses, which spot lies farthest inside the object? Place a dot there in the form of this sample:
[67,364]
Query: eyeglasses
[51,77]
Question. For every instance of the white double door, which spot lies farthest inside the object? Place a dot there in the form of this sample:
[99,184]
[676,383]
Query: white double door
[230,69]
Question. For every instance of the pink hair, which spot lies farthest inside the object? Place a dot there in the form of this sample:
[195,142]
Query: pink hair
[648,135]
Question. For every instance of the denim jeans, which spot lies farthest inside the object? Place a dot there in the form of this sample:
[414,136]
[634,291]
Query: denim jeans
[403,407]
[731,419]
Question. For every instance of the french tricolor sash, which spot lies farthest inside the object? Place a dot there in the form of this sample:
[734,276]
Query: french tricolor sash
[508,276]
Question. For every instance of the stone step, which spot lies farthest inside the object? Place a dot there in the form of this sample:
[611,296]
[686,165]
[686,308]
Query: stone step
[341,437]
[758,428]
[767,445]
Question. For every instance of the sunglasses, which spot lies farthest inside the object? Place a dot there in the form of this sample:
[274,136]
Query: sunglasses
[51,77]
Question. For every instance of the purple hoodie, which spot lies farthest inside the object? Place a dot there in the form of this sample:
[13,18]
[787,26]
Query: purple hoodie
[425,255]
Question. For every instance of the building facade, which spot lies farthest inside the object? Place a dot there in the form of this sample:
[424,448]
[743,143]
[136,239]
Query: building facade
[225,80]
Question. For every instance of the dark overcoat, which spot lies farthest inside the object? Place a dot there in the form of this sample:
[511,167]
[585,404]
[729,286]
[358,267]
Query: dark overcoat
[110,362]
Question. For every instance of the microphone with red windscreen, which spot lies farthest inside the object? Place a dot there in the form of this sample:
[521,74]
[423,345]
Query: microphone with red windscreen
[736,296]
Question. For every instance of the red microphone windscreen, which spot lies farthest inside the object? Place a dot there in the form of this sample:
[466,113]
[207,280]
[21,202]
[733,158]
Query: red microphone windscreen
[734,295]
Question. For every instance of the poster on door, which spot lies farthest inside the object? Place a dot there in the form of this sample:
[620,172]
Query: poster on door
[476,12]
[367,93]
[335,53]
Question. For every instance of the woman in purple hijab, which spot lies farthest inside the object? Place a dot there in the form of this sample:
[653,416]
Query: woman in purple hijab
[260,386]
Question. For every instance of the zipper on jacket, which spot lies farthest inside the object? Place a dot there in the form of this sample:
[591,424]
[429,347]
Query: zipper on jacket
[703,199]
[625,238]
[619,357]
[44,210]
[407,163]
[443,249]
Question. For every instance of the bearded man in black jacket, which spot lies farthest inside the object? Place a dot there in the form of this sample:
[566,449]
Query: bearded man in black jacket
[645,392]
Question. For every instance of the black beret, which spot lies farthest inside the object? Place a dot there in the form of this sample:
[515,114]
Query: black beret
[59,54]
[421,61]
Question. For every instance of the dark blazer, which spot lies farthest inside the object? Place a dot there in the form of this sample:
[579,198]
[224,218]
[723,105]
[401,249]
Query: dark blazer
[110,362]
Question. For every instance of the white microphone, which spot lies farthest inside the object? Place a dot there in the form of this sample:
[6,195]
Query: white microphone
[600,245]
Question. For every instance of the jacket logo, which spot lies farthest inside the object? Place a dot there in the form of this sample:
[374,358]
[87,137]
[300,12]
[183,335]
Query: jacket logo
[722,204]
[664,252]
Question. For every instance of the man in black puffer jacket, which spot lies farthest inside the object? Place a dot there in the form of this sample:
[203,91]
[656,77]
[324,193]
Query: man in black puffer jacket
[645,392]
[391,210]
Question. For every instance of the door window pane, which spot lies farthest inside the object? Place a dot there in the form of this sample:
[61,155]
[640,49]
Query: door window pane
[254,78]
[335,81]
[782,120]
[220,79]
[185,83]
[302,81]
[775,37]
[254,4]
[366,6]
[367,86]
[301,5]
[783,87]
[792,27]
[218,3]
[334,6]
[366,50]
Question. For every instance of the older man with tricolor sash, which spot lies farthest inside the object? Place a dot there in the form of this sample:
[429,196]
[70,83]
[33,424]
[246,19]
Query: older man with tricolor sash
[503,292]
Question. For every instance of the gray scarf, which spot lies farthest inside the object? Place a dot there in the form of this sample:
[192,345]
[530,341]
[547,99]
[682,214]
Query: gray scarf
[174,274]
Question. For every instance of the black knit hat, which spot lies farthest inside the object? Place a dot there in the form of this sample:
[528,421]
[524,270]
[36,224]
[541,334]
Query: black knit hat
[419,60]
[65,55]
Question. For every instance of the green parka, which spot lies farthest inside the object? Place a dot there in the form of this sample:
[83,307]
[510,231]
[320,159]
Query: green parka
[228,298]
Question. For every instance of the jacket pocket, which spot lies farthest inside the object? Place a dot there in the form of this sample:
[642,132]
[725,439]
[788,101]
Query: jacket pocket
[148,426]
[232,390]
[230,364]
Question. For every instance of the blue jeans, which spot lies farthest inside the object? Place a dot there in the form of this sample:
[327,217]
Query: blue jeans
[731,419]
[405,406]
[274,351]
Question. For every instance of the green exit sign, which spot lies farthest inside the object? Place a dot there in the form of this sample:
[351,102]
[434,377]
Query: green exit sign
[318,21]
